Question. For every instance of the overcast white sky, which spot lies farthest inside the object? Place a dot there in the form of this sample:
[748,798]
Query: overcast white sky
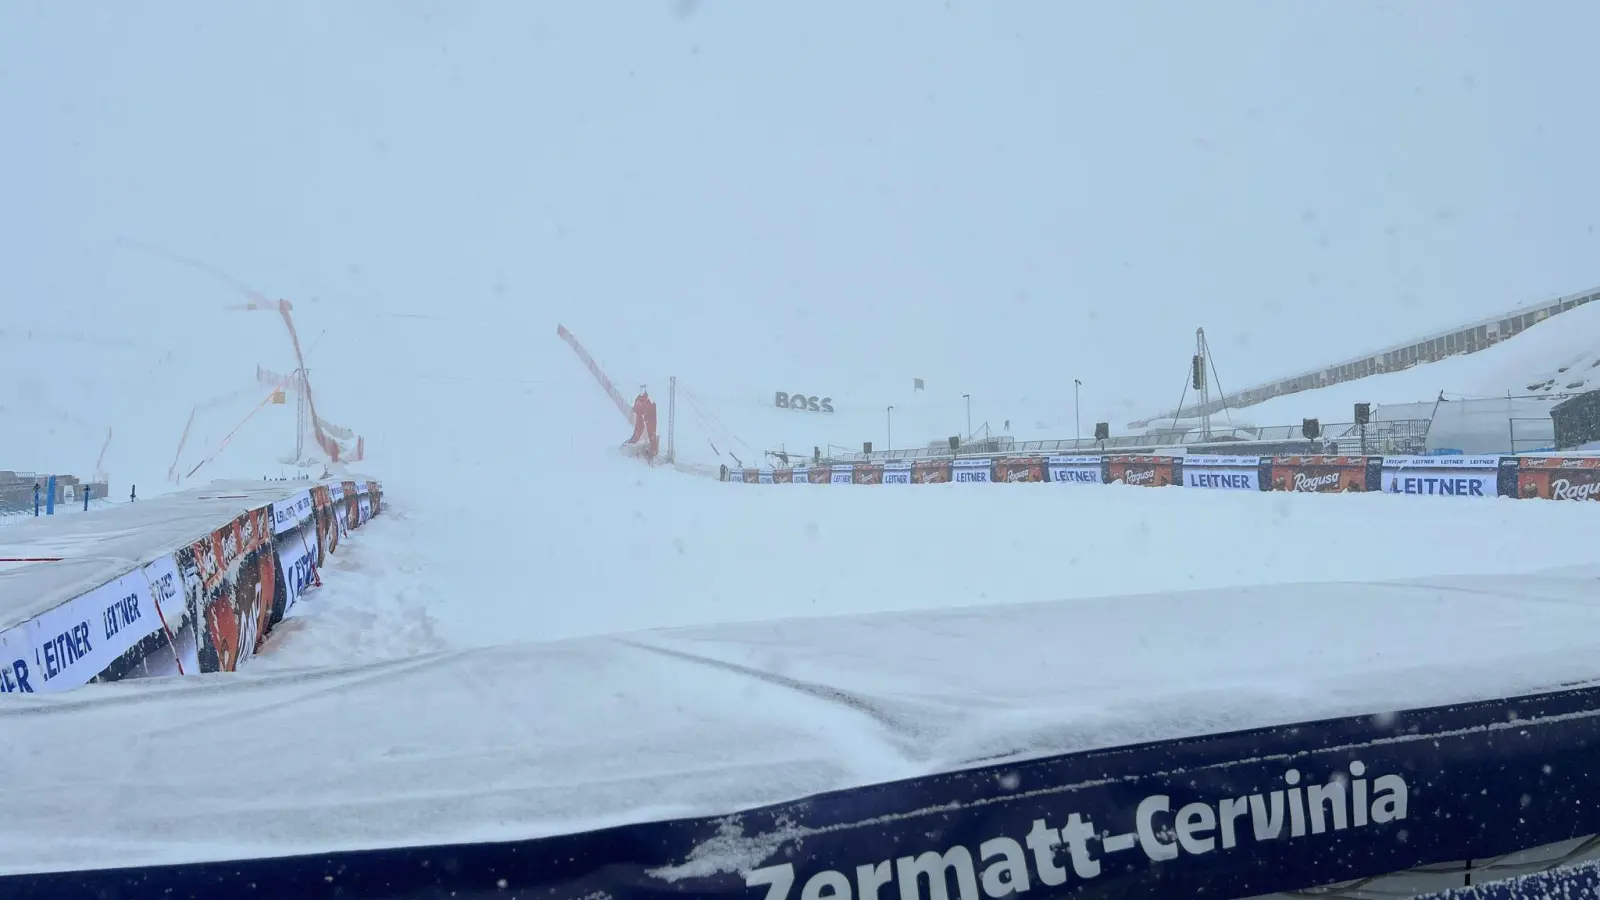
[840,195]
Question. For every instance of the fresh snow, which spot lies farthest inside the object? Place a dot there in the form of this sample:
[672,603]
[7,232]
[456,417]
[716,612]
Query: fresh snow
[538,635]
[528,739]
[549,640]
[1560,355]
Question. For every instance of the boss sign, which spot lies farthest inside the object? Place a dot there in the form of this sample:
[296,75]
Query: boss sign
[802,402]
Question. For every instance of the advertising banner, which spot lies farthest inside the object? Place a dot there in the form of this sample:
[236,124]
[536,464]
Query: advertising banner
[869,473]
[764,476]
[1442,476]
[1020,470]
[783,476]
[1222,473]
[897,471]
[1075,469]
[230,576]
[971,470]
[375,494]
[931,471]
[1321,474]
[1559,478]
[1223,817]
[352,506]
[72,644]
[296,569]
[736,476]
[1145,471]
[820,474]
[327,522]
[173,649]
[842,473]
[290,514]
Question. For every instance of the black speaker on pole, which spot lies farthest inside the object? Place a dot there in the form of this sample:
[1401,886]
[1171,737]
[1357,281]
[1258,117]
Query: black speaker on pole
[866,447]
[1363,413]
[955,442]
[1102,431]
[1311,428]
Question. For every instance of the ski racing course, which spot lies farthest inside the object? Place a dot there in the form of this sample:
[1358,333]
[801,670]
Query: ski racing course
[552,670]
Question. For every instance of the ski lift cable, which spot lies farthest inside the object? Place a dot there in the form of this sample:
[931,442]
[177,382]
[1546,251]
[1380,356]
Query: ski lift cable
[731,433]
[690,394]
[705,422]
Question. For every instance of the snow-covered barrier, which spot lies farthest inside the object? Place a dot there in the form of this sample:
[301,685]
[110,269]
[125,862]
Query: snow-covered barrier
[1447,477]
[187,583]
[1231,815]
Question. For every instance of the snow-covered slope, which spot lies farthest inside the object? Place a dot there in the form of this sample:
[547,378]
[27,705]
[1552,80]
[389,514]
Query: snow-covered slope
[1560,355]
[752,201]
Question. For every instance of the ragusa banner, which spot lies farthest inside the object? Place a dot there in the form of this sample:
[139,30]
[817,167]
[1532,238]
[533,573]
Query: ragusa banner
[1223,816]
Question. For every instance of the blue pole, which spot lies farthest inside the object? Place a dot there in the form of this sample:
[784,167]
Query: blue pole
[86,490]
[36,499]
[50,497]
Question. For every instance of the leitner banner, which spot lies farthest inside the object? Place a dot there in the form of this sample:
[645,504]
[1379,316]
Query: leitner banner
[897,471]
[70,645]
[971,470]
[1222,473]
[1223,817]
[1075,469]
[842,473]
[1442,476]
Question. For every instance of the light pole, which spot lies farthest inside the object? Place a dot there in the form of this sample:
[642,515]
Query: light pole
[1077,432]
[889,413]
[968,398]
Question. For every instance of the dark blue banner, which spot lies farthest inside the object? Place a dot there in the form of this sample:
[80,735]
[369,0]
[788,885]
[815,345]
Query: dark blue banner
[1223,816]
[1569,883]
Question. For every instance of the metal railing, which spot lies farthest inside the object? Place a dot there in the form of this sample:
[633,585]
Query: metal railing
[1394,438]
[1440,345]
[12,515]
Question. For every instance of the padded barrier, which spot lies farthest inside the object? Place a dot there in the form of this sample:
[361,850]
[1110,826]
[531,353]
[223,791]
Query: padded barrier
[1447,477]
[206,606]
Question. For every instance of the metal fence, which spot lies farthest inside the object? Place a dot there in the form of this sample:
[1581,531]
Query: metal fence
[1394,437]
